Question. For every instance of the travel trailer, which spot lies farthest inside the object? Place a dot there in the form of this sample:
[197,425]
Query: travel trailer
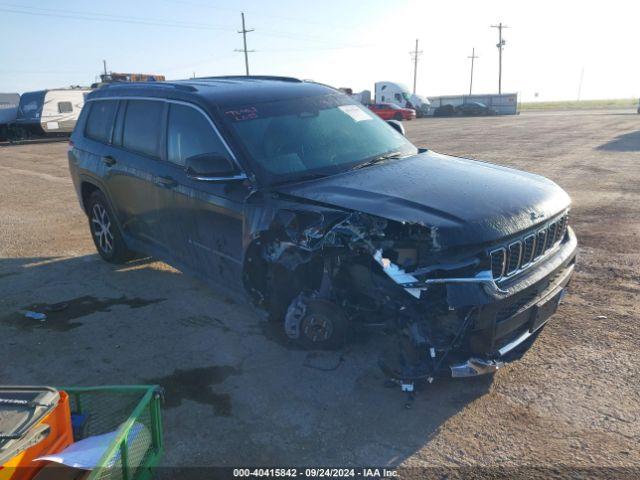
[48,113]
[8,111]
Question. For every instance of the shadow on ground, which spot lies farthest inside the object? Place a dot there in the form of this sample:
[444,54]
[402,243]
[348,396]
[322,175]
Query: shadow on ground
[236,391]
[628,142]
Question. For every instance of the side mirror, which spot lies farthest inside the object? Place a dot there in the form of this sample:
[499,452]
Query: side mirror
[397,126]
[209,166]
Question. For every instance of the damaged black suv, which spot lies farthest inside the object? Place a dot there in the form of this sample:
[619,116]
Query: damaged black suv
[326,216]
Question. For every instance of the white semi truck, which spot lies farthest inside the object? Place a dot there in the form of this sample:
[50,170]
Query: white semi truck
[399,94]
[395,93]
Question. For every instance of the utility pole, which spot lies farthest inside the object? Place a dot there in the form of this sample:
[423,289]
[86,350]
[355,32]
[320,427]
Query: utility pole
[244,32]
[415,53]
[500,46]
[580,84]
[104,65]
[472,57]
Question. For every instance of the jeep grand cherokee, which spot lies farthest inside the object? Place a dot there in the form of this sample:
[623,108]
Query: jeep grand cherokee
[325,216]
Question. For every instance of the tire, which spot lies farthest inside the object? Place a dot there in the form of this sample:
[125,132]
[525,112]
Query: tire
[398,116]
[105,232]
[324,326]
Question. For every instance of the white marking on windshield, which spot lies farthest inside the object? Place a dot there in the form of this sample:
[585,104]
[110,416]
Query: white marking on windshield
[356,113]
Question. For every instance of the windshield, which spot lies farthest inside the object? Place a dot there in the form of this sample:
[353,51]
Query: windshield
[30,105]
[290,140]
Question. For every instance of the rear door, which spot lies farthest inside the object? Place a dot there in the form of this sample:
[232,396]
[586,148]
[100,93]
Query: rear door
[94,144]
[132,167]
[202,219]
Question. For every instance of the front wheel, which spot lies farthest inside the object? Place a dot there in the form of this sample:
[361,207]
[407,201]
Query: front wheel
[322,325]
[105,232]
[398,116]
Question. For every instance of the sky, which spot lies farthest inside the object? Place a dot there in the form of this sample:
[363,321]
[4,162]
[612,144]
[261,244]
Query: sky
[550,45]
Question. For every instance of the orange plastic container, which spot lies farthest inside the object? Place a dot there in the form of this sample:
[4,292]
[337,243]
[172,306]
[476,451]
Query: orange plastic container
[22,466]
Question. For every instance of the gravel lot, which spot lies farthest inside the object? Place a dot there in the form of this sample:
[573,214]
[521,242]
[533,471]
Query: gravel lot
[238,394]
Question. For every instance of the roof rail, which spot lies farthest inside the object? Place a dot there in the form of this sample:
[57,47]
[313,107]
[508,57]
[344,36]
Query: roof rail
[177,86]
[250,77]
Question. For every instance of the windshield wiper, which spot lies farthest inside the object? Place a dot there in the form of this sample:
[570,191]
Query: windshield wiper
[378,159]
[301,178]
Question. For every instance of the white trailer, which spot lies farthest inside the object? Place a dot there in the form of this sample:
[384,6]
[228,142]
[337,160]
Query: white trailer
[8,111]
[503,104]
[48,112]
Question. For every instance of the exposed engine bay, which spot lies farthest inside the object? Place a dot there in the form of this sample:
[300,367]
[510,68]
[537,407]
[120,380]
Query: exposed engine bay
[322,271]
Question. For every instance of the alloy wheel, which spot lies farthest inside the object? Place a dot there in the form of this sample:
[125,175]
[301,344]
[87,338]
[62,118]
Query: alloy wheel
[101,226]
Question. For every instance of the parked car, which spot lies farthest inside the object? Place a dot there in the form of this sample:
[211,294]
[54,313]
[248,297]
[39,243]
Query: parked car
[473,109]
[389,111]
[326,217]
[446,110]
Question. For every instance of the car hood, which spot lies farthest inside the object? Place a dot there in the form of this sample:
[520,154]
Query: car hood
[462,201]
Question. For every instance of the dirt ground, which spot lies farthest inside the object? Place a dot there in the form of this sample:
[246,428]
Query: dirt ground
[238,394]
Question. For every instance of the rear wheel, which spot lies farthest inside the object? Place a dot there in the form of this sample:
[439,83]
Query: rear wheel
[105,232]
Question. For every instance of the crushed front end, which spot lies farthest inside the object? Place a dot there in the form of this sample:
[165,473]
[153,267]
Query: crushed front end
[448,310]
[486,309]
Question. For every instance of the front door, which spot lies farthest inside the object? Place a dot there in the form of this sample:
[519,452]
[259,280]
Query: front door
[201,220]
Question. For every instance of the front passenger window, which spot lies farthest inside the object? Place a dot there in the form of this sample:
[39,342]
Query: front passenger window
[189,133]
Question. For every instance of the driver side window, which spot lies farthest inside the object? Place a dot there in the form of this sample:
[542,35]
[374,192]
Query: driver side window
[189,133]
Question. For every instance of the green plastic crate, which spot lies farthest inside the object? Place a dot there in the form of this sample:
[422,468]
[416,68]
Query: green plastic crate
[134,411]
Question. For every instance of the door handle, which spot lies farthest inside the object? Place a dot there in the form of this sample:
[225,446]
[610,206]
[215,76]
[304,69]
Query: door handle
[166,182]
[109,161]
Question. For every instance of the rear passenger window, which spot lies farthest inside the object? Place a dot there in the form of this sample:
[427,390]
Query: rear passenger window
[100,121]
[142,127]
[189,133]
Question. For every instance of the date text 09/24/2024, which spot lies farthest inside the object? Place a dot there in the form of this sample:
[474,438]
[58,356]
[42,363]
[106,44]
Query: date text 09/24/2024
[317,472]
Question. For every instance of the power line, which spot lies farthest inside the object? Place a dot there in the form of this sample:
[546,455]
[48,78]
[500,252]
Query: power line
[297,20]
[101,17]
[415,54]
[500,46]
[472,57]
[345,47]
[244,32]
[155,22]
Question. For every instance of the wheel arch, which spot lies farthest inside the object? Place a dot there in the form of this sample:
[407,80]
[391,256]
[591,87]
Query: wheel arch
[271,285]
[86,190]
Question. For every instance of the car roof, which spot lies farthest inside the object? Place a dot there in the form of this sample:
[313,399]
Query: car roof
[219,91]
